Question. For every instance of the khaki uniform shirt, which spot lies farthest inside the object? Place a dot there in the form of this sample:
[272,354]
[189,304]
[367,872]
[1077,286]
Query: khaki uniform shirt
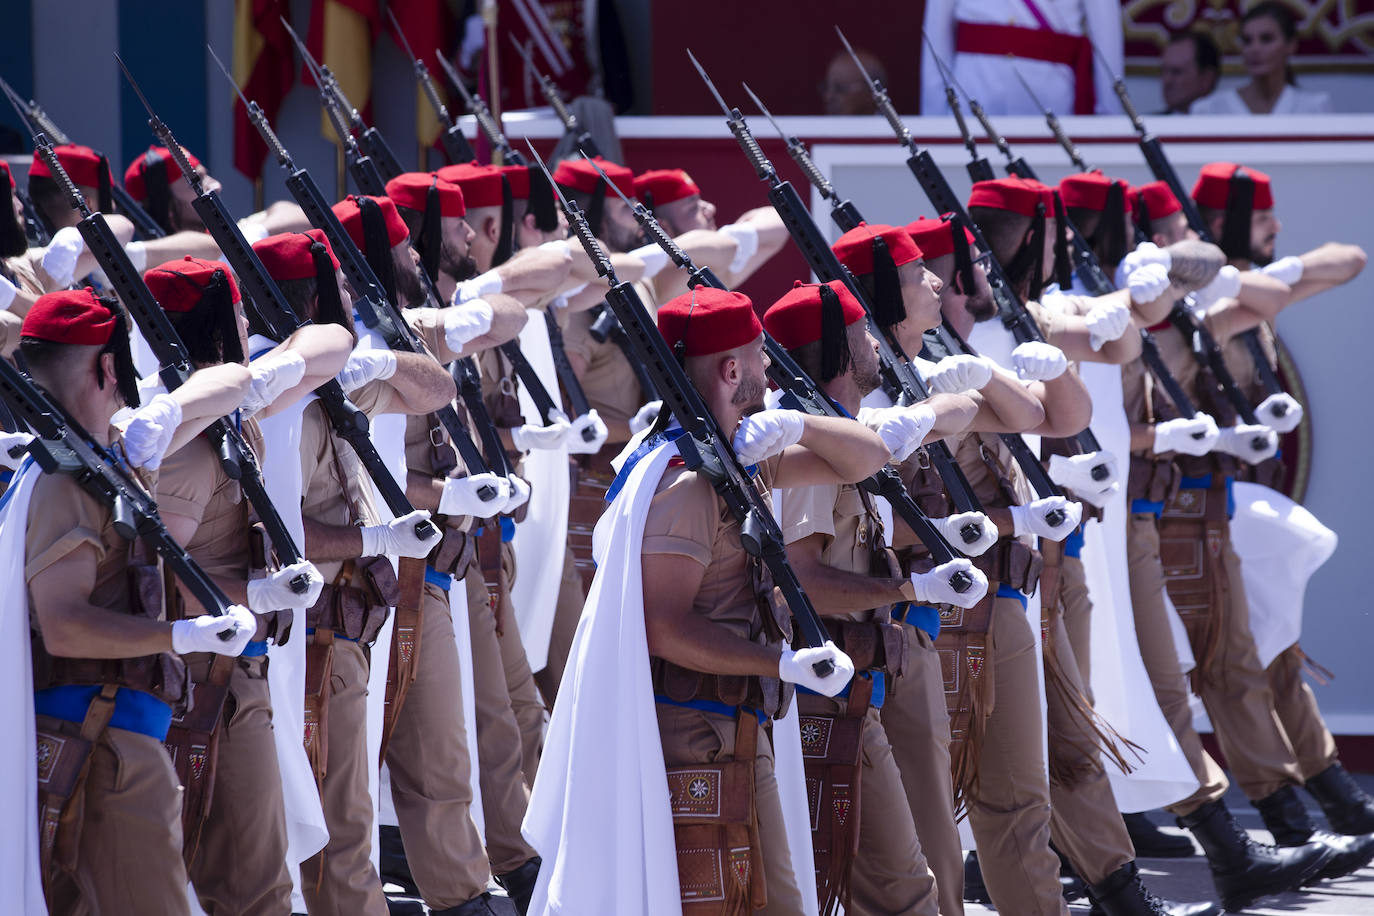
[850,529]
[608,381]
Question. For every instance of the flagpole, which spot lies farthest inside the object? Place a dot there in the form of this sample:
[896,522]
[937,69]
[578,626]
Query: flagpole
[493,68]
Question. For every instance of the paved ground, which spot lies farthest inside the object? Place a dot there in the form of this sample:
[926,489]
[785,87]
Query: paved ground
[1188,879]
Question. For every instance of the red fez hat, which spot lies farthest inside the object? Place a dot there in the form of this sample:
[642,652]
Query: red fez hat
[411,190]
[795,319]
[708,320]
[287,256]
[178,285]
[1213,188]
[935,237]
[1088,190]
[855,247]
[519,178]
[664,186]
[578,175]
[5,167]
[350,215]
[481,184]
[1156,198]
[70,316]
[1018,195]
[135,176]
[81,163]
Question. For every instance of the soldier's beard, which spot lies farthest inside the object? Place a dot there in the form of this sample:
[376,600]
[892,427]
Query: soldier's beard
[749,395]
[981,305]
[410,287]
[459,267]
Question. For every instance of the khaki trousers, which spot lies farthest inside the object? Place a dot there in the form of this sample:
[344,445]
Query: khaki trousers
[504,793]
[1157,651]
[1297,708]
[431,772]
[525,701]
[1010,811]
[129,855]
[339,880]
[1078,617]
[691,736]
[571,598]
[916,722]
[240,867]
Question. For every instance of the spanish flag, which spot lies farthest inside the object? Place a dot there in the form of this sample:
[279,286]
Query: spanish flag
[340,37]
[427,25]
[262,67]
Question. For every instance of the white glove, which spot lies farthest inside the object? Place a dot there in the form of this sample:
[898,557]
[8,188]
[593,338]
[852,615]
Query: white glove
[487,284]
[253,230]
[1288,269]
[519,494]
[274,592]
[138,255]
[1280,412]
[952,528]
[902,429]
[460,496]
[7,292]
[578,444]
[645,417]
[364,366]
[1075,472]
[12,449]
[59,260]
[796,668]
[1182,435]
[208,633]
[272,376]
[466,322]
[654,258]
[934,587]
[1146,253]
[150,432]
[1225,285]
[1036,361]
[956,374]
[764,434]
[746,237]
[1032,518]
[1147,283]
[532,435]
[1249,442]
[398,538]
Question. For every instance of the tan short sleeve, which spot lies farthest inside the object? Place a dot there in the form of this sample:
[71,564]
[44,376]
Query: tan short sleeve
[807,511]
[683,518]
[428,323]
[186,480]
[577,337]
[62,518]
[375,398]
[313,445]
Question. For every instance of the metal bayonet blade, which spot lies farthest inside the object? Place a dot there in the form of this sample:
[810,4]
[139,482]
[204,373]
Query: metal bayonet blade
[709,85]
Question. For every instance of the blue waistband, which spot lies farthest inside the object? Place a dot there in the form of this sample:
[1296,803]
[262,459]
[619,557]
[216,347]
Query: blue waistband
[255,648]
[879,689]
[1073,544]
[921,616]
[1147,507]
[1205,483]
[1006,591]
[507,529]
[720,709]
[434,577]
[310,631]
[135,711]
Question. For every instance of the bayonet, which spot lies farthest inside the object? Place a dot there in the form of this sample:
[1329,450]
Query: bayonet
[486,121]
[952,99]
[456,146]
[582,139]
[1052,120]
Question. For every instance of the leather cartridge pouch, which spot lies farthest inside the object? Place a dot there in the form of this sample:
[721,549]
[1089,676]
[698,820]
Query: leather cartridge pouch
[593,478]
[1152,479]
[1011,562]
[454,553]
[356,603]
[64,759]
[193,743]
[715,827]
[319,669]
[873,645]
[1193,533]
[405,645]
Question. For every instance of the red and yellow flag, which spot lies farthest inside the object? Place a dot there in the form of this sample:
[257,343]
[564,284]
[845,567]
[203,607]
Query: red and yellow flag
[340,37]
[262,67]
[427,25]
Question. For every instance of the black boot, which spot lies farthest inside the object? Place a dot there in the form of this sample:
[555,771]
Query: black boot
[975,891]
[1348,809]
[478,906]
[1287,820]
[1243,870]
[1152,843]
[1122,894]
[519,884]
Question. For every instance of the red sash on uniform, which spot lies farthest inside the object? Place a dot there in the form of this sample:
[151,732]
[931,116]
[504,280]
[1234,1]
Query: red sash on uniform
[1035,44]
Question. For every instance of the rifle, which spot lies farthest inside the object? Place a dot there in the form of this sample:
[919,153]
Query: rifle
[456,146]
[1015,316]
[844,212]
[235,456]
[61,446]
[897,369]
[801,393]
[371,303]
[486,122]
[705,447]
[1163,170]
[978,167]
[582,139]
[37,121]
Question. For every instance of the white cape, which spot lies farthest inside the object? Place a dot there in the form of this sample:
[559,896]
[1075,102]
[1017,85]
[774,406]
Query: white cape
[542,537]
[21,892]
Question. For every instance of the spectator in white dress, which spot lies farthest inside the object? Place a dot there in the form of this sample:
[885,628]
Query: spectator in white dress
[1268,40]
